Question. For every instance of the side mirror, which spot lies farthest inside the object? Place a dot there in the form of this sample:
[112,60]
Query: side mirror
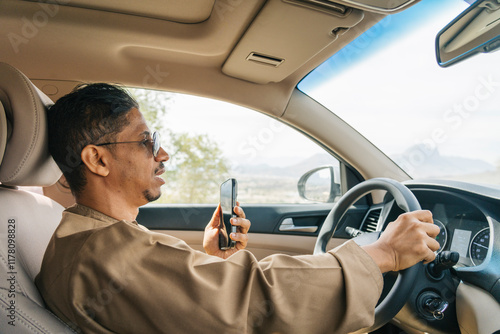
[475,30]
[319,185]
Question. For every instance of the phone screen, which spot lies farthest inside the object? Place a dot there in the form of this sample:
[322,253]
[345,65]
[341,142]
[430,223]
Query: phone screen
[228,191]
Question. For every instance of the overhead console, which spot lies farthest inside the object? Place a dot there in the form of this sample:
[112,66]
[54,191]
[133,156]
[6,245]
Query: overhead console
[287,33]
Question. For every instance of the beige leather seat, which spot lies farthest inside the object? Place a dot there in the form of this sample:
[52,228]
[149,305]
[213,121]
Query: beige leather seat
[27,220]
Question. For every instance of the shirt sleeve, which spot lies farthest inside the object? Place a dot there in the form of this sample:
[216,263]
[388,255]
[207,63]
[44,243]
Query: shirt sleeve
[154,283]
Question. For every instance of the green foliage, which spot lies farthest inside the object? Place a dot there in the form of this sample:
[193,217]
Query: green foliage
[196,170]
[196,166]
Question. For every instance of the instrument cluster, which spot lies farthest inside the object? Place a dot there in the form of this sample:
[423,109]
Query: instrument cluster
[463,228]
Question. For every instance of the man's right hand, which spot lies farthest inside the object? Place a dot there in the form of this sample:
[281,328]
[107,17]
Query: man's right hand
[406,241]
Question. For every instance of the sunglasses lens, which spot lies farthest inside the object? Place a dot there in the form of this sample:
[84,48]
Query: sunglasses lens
[156,143]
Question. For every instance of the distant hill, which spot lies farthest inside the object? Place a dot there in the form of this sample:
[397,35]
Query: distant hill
[294,170]
[419,163]
[269,183]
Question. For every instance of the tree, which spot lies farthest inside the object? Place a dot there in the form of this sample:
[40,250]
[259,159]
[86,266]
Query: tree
[196,166]
[196,171]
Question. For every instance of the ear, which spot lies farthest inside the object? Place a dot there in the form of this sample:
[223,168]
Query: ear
[95,158]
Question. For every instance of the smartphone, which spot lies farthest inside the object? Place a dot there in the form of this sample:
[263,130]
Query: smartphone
[228,194]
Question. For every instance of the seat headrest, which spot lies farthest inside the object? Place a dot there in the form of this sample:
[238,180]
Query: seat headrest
[24,155]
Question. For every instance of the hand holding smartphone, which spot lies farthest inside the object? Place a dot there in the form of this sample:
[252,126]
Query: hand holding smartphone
[228,194]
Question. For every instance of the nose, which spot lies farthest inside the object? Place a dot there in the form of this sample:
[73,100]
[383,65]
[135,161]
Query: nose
[162,155]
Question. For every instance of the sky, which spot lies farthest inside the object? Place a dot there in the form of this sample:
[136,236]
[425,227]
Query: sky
[410,98]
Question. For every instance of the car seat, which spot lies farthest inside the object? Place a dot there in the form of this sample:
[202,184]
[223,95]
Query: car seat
[27,220]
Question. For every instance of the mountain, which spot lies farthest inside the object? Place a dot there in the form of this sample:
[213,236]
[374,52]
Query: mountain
[419,162]
[294,170]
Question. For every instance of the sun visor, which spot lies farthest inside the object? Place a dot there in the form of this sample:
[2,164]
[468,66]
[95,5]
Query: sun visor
[181,11]
[286,34]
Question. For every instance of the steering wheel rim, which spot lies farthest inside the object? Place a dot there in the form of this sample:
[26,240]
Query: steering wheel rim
[406,200]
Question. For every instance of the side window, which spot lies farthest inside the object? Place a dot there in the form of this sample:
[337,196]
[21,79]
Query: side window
[209,141]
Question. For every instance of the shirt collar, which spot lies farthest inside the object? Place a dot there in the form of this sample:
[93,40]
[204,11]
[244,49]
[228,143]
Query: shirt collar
[89,212]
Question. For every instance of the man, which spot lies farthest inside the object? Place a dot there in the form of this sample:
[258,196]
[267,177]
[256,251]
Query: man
[105,274]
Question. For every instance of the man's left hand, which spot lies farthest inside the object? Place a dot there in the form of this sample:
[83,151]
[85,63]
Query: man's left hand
[211,237]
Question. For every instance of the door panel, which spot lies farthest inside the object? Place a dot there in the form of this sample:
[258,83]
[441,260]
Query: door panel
[187,222]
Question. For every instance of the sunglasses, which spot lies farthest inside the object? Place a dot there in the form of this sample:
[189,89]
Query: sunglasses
[154,143]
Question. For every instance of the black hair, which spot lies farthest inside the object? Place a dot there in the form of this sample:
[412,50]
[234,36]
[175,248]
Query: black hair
[90,114]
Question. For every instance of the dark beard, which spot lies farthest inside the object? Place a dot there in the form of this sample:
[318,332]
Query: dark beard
[150,197]
[147,194]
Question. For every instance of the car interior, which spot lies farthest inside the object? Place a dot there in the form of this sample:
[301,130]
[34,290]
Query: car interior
[250,53]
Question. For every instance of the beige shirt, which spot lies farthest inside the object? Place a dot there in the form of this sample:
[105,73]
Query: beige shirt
[105,275]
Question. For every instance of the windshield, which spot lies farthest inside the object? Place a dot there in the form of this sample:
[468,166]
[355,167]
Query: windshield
[434,122]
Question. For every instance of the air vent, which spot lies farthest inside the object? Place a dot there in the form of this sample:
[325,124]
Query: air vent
[371,220]
[322,5]
[264,59]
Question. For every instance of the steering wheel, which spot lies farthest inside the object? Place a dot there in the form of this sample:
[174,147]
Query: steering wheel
[396,297]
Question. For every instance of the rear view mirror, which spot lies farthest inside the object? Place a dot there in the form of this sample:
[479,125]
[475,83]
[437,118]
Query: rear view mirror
[476,30]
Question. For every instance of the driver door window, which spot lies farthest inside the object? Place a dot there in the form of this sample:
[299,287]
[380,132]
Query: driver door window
[210,141]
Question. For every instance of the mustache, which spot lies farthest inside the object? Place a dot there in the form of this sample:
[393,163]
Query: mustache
[161,167]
